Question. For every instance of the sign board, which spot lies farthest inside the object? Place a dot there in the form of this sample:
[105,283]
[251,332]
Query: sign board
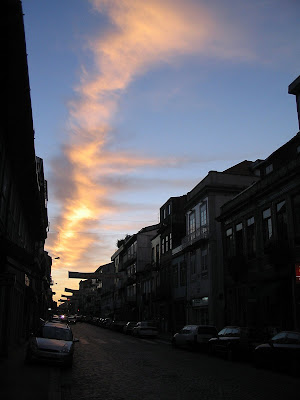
[71,290]
[93,275]
[297,272]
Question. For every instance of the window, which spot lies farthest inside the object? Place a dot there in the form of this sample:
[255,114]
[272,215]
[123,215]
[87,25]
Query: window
[279,338]
[229,243]
[131,291]
[167,243]
[170,241]
[164,213]
[204,262]
[163,246]
[169,209]
[251,240]
[182,273]
[203,219]
[281,216]
[267,226]
[192,224]
[193,263]
[269,169]
[239,242]
[293,338]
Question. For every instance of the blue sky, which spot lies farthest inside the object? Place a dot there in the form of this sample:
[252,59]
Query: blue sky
[134,102]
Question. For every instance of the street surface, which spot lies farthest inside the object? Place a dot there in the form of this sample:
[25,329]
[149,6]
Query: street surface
[112,366]
[109,365]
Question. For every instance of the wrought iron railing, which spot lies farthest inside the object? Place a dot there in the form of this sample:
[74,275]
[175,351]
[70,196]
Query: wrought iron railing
[198,234]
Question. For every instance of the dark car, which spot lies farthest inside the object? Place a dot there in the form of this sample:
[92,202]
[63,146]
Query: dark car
[127,329]
[281,352]
[235,342]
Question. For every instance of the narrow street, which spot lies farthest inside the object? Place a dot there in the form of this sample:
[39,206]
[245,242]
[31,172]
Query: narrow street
[111,366]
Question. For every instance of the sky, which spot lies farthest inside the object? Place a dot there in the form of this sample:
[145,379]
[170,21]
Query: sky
[135,101]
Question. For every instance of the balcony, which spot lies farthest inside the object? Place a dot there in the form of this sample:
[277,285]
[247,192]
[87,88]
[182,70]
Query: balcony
[199,234]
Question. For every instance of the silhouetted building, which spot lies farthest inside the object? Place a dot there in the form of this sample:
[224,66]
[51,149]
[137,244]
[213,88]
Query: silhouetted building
[261,236]
[24,266]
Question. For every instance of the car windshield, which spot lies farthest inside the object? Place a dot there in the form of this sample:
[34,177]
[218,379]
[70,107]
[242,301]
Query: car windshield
[185,331]
[52,332]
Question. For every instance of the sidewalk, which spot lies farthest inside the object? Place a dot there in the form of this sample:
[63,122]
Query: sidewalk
[20,381]
[11,372]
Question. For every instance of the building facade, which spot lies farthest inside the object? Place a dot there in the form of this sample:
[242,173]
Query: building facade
[202,246]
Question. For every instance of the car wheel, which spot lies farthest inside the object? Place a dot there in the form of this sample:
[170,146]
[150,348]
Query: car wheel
[230,355]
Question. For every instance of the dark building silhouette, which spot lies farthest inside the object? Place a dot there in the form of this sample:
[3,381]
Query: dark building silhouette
[25,267]
[261,238]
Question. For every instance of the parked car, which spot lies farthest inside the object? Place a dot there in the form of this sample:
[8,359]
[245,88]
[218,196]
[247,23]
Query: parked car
[55,318]
[145,328]
[236,342]
[194,336]
[71,319]
[117,325]
[53,342]
[282,351]
[127,329]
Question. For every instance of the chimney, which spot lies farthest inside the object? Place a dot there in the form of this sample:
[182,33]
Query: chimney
[294,88]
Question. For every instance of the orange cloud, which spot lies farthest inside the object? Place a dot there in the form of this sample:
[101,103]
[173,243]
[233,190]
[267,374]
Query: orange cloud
[143,34]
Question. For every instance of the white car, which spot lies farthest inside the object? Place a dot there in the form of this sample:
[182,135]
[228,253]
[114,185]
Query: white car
[145,328]
[194,336]
[53,342]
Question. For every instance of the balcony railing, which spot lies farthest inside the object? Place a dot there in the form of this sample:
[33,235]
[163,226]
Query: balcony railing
[199,234]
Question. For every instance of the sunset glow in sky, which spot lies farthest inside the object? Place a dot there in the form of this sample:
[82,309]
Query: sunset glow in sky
[136,101]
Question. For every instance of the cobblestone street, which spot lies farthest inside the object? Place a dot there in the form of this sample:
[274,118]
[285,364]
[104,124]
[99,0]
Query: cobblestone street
[111,366]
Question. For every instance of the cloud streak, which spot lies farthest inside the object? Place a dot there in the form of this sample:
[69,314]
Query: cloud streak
[142,35]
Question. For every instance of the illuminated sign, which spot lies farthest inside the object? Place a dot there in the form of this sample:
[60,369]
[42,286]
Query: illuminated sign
[200,302]
[297,272]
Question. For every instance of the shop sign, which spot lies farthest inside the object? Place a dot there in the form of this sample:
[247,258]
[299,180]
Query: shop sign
[200,302]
